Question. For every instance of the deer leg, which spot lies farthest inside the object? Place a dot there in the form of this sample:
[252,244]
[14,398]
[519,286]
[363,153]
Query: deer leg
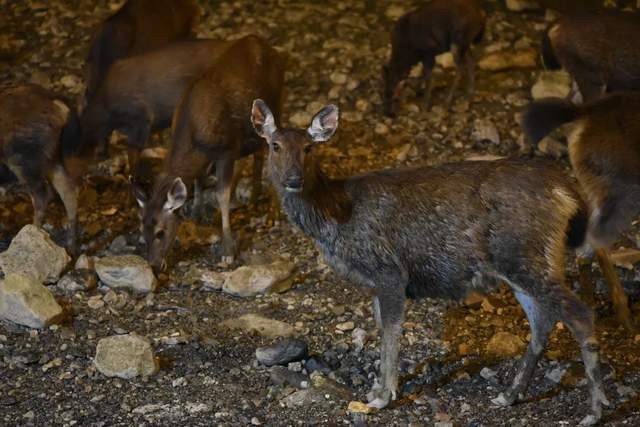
[579,319]
[224,172]
[541,325]
[427,69]
[391,314]
[618,296]
[585,280]
[198,200]
[40,195]
[470,71]
[256,187]
[66,187]
[458,55]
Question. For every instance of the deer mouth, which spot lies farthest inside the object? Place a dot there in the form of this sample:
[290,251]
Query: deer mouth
[293,184]
[290,189]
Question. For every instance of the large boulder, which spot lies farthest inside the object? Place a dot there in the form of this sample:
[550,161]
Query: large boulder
[27,302]
[126,271]
[250,280]
[33,254]
[125,356]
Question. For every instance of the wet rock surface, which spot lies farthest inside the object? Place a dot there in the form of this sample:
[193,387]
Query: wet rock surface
[208,373]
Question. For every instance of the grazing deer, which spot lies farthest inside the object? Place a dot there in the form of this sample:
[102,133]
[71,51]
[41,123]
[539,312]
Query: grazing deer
[37,131]
[595,49]
[439,232]
[419,36]
[137,27]
[212,126]
[604,149]
[139,94]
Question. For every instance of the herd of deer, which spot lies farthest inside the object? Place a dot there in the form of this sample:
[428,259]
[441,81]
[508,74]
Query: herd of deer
[406,233]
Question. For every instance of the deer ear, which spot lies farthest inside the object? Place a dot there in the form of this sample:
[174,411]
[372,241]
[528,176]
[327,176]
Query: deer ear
[262,119]
[176,196]
[138,192]
[324,124]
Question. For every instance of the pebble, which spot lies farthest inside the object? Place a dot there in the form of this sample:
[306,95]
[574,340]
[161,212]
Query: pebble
[505,344]
[356,407]
[78,280]
[556,374]
[345,326]
[282,352]
[283,376]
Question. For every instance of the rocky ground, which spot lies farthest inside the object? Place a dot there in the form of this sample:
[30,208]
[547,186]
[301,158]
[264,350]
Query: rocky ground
[204,324]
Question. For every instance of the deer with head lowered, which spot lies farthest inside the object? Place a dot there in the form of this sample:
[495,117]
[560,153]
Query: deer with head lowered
[212,126]
[440,232]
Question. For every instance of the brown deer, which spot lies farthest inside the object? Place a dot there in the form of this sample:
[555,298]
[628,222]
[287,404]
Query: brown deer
[595,49]
[440,232]
[139,94]
[604,149]
[212,126]
[37,132]
[137,27]
[419,36]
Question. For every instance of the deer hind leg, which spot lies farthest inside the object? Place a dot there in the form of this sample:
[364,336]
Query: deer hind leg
[459,55]
[428,63]
[391,307]
[37,185]
[67,188]
[586,280]
[224,172]
[618,296]
[541,325]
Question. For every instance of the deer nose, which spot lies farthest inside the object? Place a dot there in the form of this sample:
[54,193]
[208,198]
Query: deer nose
[293,184]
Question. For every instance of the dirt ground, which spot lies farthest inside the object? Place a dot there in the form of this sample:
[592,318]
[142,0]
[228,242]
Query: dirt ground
[209,374]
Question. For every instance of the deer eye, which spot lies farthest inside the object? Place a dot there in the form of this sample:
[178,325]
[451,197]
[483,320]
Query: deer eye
[307,148]
[275,146]
[160,235]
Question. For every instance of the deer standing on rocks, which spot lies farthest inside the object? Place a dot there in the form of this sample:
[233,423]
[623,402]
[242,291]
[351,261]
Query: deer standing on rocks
[440,232]
[137,27]
[596,49]
[604,149]
[38,132]
[140,94]
[212,126]
[419,36]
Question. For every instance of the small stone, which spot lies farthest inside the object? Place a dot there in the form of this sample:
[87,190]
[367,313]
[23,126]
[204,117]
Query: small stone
[126,271]
[27,302]
[356,407]
[345,326]
[488,373]
[358,338]
[395,11]
[328,386]
[552,84]
[95,302]
[282,352]
[473,300]
[251,280]
[303,397]
[363,105]
[283,376]
[85,262]
[338,78]
[314,364]
[556,374]
[501,61]
[381,129]
[33,254]
[72,82]
[78,280]
[485,130]
[487,307]
[210,280]
[446,60]
[505,344]
[521,5]
[125,356]
[261,325]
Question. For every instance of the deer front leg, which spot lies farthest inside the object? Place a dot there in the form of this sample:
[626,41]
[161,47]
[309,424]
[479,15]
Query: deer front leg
[427,70]
[224,172]
[391,304]
[68,191]
[618,296]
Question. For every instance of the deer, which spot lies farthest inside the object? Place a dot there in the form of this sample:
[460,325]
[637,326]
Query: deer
[37,132]
[137,27]
[439,232]
[605,157]
[211,126]
[139,95]
[599,60]
[419,36]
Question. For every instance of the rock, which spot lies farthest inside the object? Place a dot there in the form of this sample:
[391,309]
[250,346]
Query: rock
[552,84]
[473,300]
[521,5]
[250,280]
[356,407]
[483,158]
[33,254]
[25,301]
[500,61]
[125,356]
[381,129]
[446,60]
[625,257]
[126,271]
[338,78]
[552,147]
[304,397]
[78,280]
[485,130]
[283,376]
[505,344]
[358,338]
[72,83]
[262,325]
[314,364]
[95,302]
[345,326]
[282,352]
[85,262]
[487,373]
[328,386]
[487,307]
[210,280]
[556,374]
[395,11]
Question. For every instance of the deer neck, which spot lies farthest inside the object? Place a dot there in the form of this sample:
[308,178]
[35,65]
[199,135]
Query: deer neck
[321,207]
